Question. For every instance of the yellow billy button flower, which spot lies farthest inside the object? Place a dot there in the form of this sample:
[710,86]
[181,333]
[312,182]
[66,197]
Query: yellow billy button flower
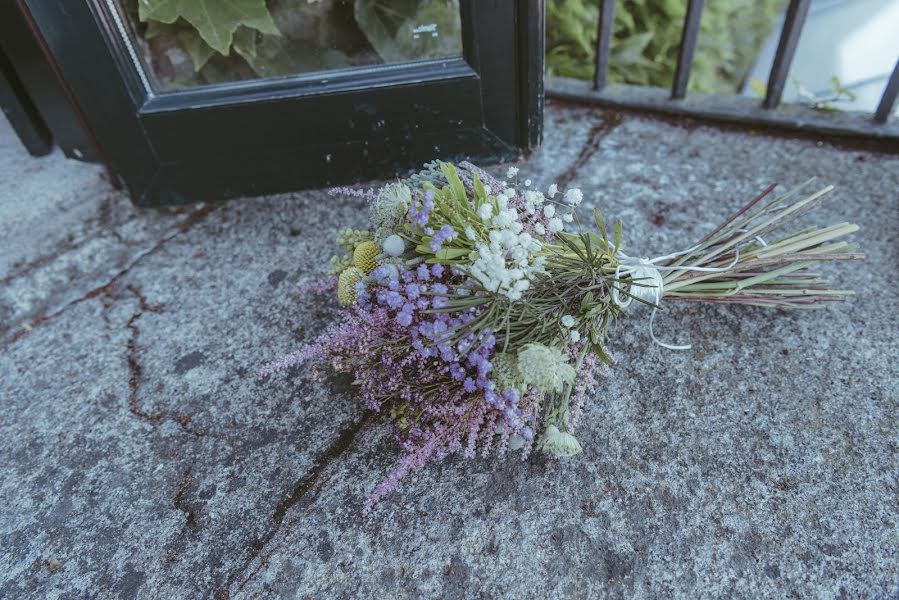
[346,285]
[364,256]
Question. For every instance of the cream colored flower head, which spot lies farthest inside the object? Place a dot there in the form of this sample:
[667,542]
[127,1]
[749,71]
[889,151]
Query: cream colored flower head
[389,209]
[559,443]
[544,368]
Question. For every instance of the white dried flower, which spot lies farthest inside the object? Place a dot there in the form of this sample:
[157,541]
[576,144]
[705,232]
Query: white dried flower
[516,442]
[568,217]
[553,190]
[555,225]
[559,443]
[506,263]
[568,321]
[512,172]
[574,196]
[485,212]
[549,210]
[531,200]
[527,183]
[394,245]
[539,228]
[545,367]
[575,336]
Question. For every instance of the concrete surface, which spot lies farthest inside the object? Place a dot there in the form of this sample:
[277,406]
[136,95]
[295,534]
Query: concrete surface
[142,458]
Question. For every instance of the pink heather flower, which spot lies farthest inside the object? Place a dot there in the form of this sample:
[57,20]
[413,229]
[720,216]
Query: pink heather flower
[369,195]
[316,286]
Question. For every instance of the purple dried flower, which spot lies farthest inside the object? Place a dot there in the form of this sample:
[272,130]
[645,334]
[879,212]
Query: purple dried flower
[445,234]
[410,361]
[423,273]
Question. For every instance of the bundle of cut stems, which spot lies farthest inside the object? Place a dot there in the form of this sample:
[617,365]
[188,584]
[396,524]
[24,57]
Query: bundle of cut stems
[746,265]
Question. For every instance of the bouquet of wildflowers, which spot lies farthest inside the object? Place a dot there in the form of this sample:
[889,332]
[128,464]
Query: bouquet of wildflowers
[477,311]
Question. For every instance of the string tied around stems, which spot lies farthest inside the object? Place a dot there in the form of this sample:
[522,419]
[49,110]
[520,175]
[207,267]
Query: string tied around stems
[648,284]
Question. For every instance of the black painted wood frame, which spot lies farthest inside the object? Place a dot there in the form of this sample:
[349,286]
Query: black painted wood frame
[272,135]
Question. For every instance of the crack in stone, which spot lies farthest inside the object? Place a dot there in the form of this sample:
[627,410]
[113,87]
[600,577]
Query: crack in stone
[107,288]
[136,370]
[102,226]
[609,121]
[179,500]
[41,261]
[297,493]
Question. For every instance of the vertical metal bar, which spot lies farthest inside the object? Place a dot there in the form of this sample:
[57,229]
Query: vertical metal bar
[786,49]
[888,100]
[603,42]
[687,48]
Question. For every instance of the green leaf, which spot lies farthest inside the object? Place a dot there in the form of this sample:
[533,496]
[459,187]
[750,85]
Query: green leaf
[200,52]
[276,56]
[601,354]
[601,226]
[245,43]
[390,26]
[452,177]
[587,302]
[448,254]
[480,194]
[617,235]
[215,20]
[629,51]
[379,21]
[154,29]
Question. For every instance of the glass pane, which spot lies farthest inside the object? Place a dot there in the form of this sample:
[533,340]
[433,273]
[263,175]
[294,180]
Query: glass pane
[188,43]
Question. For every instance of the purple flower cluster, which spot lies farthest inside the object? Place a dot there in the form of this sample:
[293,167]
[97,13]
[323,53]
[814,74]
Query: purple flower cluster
[409,295]
[445,234]
[432,369]
[420,212]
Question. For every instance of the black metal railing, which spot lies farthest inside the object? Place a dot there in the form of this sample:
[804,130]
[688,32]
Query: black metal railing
[732,109]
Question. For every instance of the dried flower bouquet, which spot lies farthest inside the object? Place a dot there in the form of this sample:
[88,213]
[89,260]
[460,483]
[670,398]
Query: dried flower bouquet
[478,323]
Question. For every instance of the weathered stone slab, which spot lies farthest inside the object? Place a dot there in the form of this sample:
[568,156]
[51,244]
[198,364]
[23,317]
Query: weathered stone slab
[143,458]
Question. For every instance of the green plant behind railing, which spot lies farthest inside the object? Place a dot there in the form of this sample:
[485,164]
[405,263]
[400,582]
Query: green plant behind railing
[647,35]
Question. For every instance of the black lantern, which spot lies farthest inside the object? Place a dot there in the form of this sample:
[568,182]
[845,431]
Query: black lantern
[195,100]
